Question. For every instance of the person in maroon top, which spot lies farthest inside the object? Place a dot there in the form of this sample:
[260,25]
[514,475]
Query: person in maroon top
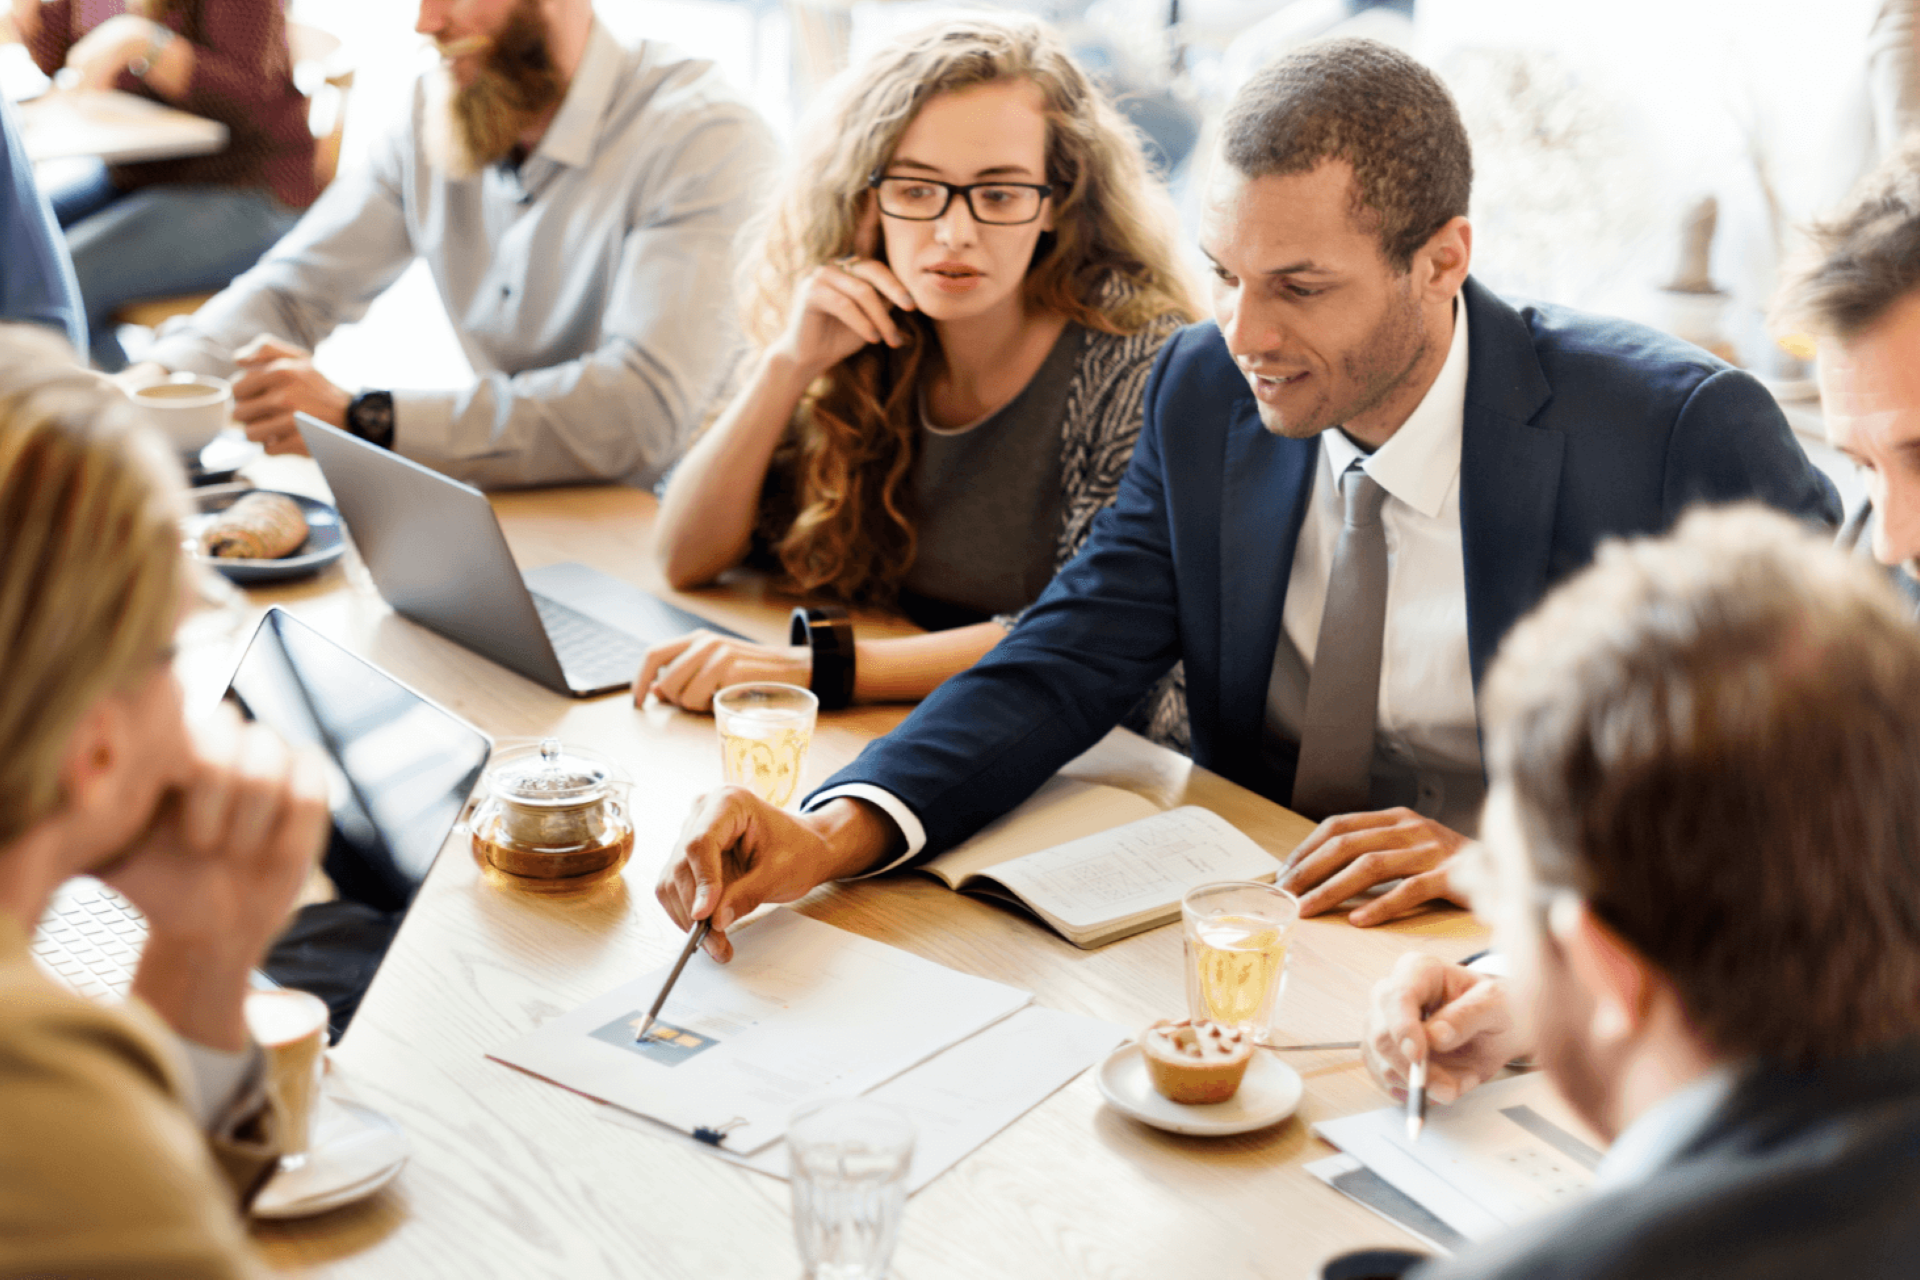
[186,225]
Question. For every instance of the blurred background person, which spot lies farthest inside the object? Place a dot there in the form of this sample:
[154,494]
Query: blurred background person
[575,196]
[1856,293]
[957,300]
[189,224]
[132,1131]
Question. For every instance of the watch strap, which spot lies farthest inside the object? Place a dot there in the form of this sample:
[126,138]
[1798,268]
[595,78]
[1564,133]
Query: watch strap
[370,416]
[827,631]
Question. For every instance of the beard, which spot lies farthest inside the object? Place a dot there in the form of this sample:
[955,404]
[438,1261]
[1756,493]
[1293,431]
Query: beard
[517,85]
[1369,372]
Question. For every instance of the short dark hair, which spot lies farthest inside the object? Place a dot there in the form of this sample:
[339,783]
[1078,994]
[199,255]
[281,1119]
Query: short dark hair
[1374,107]
[1714,739]
[1862,260]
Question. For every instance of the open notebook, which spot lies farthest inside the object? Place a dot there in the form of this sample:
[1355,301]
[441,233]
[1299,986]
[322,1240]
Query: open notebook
[1097,863]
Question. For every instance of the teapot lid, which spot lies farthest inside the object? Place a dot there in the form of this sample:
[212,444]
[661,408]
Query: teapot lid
[546,774]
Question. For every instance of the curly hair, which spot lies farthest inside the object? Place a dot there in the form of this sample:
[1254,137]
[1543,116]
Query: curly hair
[1110,264]
[1377,109]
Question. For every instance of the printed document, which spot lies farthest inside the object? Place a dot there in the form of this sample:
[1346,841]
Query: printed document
[1506,1152]
[972,1091]
[804,1011]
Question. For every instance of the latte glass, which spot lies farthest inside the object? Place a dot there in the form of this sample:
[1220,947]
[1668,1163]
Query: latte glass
[764,733]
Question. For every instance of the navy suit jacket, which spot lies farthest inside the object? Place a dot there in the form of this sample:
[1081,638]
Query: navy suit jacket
[1577,428]
[1798,1175]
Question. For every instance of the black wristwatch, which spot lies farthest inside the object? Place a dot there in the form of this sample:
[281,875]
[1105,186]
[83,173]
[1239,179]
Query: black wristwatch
[828,632]
[370,416]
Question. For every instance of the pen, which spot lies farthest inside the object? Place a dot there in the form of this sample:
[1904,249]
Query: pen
[1417,1099]
[694,939]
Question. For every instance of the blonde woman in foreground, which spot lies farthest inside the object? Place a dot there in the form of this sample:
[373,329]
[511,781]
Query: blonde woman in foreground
[957,296]
[132,1133]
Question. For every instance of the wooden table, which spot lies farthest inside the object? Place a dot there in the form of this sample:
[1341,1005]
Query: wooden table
[512,1176]
[106,124]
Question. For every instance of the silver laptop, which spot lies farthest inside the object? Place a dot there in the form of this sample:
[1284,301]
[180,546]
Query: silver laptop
[437,554]
[401,771]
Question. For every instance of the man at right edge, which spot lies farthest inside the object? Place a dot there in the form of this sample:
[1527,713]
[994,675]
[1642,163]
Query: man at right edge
[1343,496]
[1700,862]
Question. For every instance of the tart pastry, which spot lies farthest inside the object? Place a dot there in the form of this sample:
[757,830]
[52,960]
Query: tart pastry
[261,526]
[1196,1062]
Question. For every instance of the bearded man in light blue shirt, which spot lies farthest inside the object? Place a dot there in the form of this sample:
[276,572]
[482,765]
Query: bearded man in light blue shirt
[575,198]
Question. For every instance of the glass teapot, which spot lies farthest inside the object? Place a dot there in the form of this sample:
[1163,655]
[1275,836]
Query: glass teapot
[552,819]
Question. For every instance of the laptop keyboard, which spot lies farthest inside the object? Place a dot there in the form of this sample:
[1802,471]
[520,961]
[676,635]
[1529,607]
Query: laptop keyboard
[90,939]
[592,653]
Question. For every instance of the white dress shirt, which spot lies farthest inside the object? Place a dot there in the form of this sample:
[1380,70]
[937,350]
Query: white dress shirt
[1429,726]
[1663,1130]
[590,288]
[1427,752]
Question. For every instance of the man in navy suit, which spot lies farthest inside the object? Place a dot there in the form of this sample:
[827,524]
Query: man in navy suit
[1352,352]
[1748,1043]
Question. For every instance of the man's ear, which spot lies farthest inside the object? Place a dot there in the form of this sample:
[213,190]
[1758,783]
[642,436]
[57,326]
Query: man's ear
[1440,265]
[1621,983]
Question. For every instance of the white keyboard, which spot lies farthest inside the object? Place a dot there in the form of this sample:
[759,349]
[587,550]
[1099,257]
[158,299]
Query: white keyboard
[90,939]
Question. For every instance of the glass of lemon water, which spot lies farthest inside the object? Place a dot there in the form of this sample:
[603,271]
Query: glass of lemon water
[1237,933]
[764,732]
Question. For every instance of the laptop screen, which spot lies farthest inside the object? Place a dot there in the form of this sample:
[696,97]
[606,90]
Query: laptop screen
[400,770]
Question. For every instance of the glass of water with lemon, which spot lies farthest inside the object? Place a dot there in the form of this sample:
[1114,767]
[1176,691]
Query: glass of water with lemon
[764,732]
[1237,933]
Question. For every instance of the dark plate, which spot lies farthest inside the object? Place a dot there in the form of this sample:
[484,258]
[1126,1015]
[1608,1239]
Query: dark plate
[323,546]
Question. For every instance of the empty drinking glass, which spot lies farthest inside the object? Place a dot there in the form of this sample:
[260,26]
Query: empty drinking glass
[849,1164]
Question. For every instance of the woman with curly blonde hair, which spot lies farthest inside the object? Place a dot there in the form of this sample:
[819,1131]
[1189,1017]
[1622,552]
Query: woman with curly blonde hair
[957,297]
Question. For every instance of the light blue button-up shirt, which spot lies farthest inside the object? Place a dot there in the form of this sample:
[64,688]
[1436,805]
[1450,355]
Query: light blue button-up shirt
[591,288]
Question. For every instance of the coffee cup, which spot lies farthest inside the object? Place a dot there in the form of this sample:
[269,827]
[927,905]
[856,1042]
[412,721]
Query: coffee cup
[189,409]
[291,1027]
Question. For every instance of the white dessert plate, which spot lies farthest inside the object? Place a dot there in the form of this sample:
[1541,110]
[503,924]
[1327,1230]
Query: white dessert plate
[1268,1095]
[356,1151]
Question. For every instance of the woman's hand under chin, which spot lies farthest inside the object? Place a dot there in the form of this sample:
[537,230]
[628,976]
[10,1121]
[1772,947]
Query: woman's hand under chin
[687,672]
[844,305]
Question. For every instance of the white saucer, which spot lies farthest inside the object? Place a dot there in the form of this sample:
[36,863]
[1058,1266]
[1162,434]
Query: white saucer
[356,1151]
[1268,1095]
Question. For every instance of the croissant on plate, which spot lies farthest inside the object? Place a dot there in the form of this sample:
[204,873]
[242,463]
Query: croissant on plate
[261,526]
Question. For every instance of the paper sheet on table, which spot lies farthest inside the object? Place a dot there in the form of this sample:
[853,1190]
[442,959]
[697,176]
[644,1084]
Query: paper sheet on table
[1369,1190]
[960,1099]
[1504,1153]
[804,1011]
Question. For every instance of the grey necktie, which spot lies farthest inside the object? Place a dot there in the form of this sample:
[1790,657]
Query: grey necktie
[1343,692]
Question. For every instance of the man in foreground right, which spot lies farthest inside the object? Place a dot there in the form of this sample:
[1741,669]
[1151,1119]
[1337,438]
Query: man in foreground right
[1737,698]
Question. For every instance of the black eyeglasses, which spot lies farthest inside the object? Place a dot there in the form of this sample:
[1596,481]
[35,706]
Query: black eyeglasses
[1000,204]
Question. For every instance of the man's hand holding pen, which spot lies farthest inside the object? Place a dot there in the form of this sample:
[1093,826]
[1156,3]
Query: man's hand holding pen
[736,851]
[1458,1020]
